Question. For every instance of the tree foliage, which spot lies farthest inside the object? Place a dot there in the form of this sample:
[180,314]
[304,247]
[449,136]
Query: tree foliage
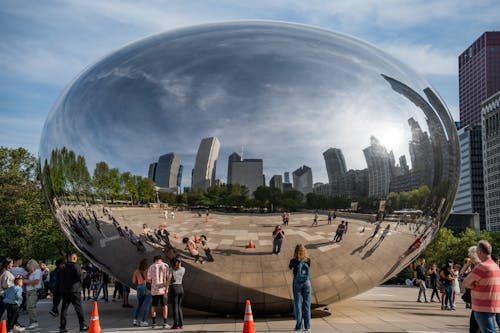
[27,226]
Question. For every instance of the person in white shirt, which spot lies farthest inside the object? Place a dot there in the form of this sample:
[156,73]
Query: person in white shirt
[33,283]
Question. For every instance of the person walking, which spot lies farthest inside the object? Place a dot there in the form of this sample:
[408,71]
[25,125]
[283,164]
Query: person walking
[33,283]
[70,287]
[6,281]
[315,221]
[143,293]
[420,277]
[103,285]
[300,265]
[340,232]
[177,293]
[54,288]
[278,236]
[159,277]
[484,281]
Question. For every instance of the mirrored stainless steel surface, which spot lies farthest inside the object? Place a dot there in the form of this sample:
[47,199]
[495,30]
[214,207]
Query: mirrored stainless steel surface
[357,131]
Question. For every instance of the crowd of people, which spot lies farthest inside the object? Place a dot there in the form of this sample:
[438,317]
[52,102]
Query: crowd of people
[477,282]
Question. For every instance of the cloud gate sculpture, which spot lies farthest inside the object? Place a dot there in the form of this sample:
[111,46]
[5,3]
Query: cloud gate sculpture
[228,130]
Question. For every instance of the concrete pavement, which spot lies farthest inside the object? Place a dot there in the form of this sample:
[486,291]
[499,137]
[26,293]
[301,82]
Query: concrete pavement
[382,309]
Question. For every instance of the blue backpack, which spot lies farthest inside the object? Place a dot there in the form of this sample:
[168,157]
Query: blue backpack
[303,272]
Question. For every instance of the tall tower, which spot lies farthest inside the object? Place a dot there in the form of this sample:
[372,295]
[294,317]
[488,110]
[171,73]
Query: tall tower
[152,171]
[167,171]
[478,78]
[379,169]
[302,179]
[205,165]
[335,164]
[234,157]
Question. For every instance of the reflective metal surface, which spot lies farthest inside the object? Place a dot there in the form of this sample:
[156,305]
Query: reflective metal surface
[344,119]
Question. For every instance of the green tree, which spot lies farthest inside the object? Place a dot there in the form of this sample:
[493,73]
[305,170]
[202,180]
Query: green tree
[100,179]
[27,227]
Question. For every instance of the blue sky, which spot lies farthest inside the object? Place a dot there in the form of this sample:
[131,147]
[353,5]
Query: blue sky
[45,44]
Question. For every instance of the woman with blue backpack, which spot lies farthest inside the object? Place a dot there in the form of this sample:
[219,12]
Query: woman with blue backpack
[301,266]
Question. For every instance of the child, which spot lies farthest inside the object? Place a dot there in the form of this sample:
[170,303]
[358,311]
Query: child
[204,246]
[193,250]
[13,297]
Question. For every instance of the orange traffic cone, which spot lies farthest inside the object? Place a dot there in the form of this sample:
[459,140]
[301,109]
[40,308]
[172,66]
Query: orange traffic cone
[94,326]
[248,326]
[3,326]
[251,245]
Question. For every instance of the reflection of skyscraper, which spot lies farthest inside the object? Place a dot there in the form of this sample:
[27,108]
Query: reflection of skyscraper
[247,172]
[420,147]
[152,171]
[478,78]
[234,157]
[276,182]
[491,160]
[335,163]
[302,179]
[470,194]
[379,169]
[287,177]
[167,171]
[205,165]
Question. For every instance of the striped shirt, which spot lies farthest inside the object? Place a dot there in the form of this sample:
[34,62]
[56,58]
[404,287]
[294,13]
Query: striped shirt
[486,292]
[159,274]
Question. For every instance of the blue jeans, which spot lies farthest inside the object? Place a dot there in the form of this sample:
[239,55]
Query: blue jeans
[486,321]
[144,300]
[449,296]
[302,293]
[104,288]
[277,242]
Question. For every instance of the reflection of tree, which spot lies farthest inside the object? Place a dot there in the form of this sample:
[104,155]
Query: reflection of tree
[416,199]
[66,175]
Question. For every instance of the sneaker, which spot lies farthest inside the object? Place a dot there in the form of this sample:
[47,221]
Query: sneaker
[84,328]
[419,300]
[167,326]
[452,308]
[134,322]
[442,307]
[153,325]
[18,328]
[54,313]
[143,324]
[307,329]
[32,326]
[426,301]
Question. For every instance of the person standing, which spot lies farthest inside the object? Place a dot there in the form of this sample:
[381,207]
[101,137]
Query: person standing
[420,277]
[300,265]
[103,285]
[484,281]
[434,278]
[177,293]
[33,283]
[447,276]
[6,281]
[278,236]
[330,215]
[70,287]
[315,221]
[143,294]
[13,297]
[159,277]
[54,288]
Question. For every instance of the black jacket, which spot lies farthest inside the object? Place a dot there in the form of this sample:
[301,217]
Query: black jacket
[69,278]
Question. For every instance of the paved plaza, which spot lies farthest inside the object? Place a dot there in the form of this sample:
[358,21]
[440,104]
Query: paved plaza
[382,309]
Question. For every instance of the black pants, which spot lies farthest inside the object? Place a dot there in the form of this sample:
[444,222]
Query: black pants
[177,294]
[435,291]
[76,300]
[56,299]
[3,306]
[12,315]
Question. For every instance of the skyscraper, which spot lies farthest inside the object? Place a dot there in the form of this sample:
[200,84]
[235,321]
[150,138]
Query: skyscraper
[379,169]
[491,160]
[335,164]
[152,171]
[167,172]
[478,76]
[302,179]
[276,182]
[470,194]
[205,165]
[247,172]
[234,157]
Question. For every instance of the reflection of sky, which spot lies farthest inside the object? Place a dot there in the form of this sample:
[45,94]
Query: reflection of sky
[283,93]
